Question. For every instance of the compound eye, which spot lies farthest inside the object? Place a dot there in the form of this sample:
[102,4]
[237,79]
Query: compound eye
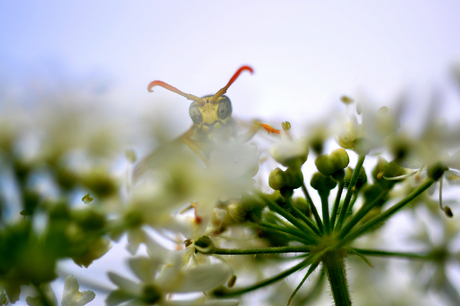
[195,114]
[225,108]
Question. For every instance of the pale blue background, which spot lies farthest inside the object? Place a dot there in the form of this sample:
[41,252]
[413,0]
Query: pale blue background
[305,53]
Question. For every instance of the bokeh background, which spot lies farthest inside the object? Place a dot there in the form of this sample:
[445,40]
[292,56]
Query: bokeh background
[306,54]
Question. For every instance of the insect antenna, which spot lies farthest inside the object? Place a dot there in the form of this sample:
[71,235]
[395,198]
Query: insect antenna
[233,79]
[173,89]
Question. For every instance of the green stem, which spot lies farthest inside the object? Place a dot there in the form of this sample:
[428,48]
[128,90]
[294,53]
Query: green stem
[385,215]
[269,250]
[325,207]
[313,209]
[350,191]
[392,254]
[269,281]
[352,203]
[335,208]
[335,270]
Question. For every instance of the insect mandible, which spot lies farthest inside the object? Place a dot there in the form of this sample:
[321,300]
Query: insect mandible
[212,120]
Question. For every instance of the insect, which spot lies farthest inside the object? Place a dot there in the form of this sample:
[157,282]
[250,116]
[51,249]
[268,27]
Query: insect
[212,121]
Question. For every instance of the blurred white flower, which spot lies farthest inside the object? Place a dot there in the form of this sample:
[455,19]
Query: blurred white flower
[72,296]
[156,282]
[289,149]
[38,300]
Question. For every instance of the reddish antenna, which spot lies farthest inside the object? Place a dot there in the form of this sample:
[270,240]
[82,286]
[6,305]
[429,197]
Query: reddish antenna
[173,89]
[233,79]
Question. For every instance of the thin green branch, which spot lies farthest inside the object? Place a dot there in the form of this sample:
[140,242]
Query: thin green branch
[310,271]
[310,235]
[352,203]
[289,233]
[360,214]
[335,208]
[385,215]
[350,191]
[303,217]
[268,250]
[313,209]
[381,253]
[226,293]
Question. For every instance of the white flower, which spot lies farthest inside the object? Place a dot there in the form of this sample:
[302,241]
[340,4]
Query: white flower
[72,297]
[289,149]
[349,133]
[38,300]
[156,282]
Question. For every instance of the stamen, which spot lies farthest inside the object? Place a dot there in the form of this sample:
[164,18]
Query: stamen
[399,177]
[446,209]
[270,129]
[233,79]
[175,90]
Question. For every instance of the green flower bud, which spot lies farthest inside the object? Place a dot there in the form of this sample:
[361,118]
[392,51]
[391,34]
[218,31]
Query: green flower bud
[295,177]
[101,182]
[204,245]
[334,162]
[89,219]
[385,169]
[436,170]
[151,294]
[338,175]
[324,165]
[291,178]
[276,180]
[339,159]
[322,183]
[93,250]
[362,178]
[371,192]
[302,205]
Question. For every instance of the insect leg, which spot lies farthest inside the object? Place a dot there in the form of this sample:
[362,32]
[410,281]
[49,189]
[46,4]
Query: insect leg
[253,130]
[193,145]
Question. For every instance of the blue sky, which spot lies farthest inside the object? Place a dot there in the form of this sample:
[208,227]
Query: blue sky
[305,53]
